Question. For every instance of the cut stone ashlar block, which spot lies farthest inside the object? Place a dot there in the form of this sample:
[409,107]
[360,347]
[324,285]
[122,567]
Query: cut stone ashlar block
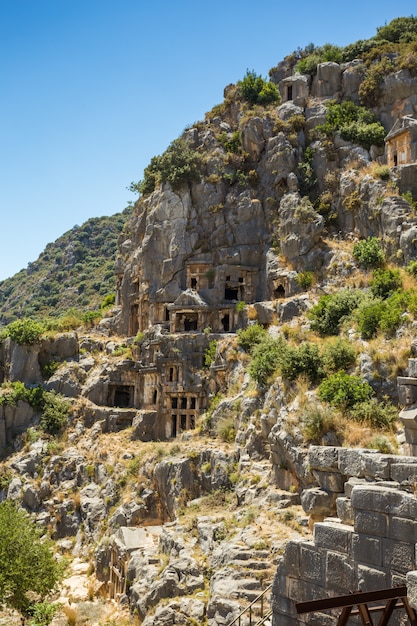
[384,500]
[324,458]
[371,523]
[333,536]
[367,550]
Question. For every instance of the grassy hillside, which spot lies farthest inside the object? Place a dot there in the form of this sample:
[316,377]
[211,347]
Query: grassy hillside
[76,271]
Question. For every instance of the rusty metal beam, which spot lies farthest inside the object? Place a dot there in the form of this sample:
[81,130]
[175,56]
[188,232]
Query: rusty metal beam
[352,599]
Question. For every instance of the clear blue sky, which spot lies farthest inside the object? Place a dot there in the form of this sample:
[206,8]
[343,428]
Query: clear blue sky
[92,89]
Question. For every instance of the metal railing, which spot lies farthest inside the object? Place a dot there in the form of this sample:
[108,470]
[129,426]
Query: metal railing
[250,609]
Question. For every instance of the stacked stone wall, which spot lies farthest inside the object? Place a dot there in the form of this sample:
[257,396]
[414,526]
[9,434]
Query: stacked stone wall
[370,545]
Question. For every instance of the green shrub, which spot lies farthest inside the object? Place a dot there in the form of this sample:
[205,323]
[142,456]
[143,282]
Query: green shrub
[338,355]
[399,30]
[316,421]
[412,268]
[231,143]
[248,337]
[365,135]
[332,310]
[381,443]
[368,252]
[376,315]
[108,301]
[369,317]
[210,353]
[355,123]
[344,391]
[255,90]
[179,165]
[305,279]
[25,332]
[225,429]
[376,414]
[90,318]
[385,282]
[304,359]
[370,88]
[266,357]
[13,392]
[55,413]
[42,613]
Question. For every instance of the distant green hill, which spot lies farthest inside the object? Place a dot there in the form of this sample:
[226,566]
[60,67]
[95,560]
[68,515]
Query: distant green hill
[76,271]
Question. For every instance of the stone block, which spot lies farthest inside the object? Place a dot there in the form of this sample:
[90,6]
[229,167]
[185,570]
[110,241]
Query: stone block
[350,461]
[330,481]
[305,591]
[384,500]
[344,510]
[398,555]
[333,536]
[404,473]
[340,573]
[402,529]
[352,482]
[292,558]
[377,466]
[412,588]
[371,523]
[320,619]
[366,549]
[370,578]
[284,607]
[317,501]
[324,458]
[311,562]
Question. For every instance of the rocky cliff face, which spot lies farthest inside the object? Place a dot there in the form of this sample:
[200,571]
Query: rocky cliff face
[183,472]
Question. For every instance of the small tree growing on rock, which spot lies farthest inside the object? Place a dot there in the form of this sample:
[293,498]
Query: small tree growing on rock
[27,562]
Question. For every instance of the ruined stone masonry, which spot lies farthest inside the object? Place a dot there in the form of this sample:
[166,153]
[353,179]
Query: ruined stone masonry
[369,545]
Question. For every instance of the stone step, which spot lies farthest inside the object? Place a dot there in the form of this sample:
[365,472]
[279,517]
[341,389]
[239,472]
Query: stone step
[252,565]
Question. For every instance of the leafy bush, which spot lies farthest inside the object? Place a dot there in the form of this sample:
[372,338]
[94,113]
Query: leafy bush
[376,414]
[344,391]
[338,355]
[412,268]
[210,353]
[225,429]
[376,315]
[369,317]
[368,252]
[366,135]
[316,421]
[332,310]
[304,359]
[370,88]
[90,318]
[12,393]
[266,357]
[55,413]
[328,52]
[399,30]
[28,567]
[108,301]
[25,332]
[248,337]
[179,165]
[231,143]
[381,443]
[304,279]
[42,613]
[355,123]
[385,282]
[255,90]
